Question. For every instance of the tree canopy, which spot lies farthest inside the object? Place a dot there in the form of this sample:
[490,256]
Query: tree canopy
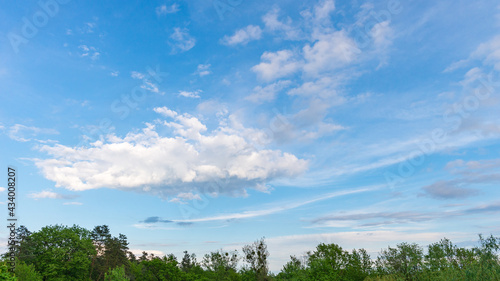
[74,253]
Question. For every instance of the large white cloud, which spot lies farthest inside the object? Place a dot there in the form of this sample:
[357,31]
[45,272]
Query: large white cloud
[188,160]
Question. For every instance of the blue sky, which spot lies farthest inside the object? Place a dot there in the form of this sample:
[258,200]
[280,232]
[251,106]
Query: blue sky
[210,124]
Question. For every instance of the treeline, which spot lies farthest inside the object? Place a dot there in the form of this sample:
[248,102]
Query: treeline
[75,253]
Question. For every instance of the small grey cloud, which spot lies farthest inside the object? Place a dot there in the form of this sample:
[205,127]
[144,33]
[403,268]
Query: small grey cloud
[52,195]
[394,217]
[387,218]
[155,220]
[491,208]
[448,190]
[183,223]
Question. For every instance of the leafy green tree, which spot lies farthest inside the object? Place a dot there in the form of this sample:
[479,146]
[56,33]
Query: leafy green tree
[116,251]
[156,268]
[294,270]
[256,255]
[440,256]
[4,272]
[116,274]
[100,235]
[406,261]
[359,265]
[25,272]
[111,252]
[62,253]
[188,261]
[24,250]
[486,263]
[221,265]
[327,262]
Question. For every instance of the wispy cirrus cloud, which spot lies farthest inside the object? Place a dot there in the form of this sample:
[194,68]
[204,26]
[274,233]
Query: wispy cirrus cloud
[377,218]
[164,9]
[73,203]
[278,209]
[203,70]
[147,84]
[47,194]
[269,92]
[89,51]
[22,133]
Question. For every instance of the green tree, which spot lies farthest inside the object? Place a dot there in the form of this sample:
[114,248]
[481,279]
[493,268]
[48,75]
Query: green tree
[256,255]
[188,261]
[116,274]
[100,235]
[24,250]
[111,252]
[4,272]
[62,253]
[156,268]
[406,261]
[486,263]
[327,262]
[331,262]
[294,270]
[25,272]
[221,265]
[359,265]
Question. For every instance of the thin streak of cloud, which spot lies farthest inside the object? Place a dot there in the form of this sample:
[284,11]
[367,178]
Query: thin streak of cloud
[274,210]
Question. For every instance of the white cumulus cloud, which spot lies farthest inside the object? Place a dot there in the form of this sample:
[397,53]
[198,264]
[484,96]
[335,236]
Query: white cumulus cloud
[243,36]
[276,65]
[165,111]
[169,166]
[193,94]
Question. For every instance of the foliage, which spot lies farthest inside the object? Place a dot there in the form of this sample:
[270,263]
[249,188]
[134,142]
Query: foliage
[221,265]
[4,272]
[256,255]
[25,272]
[116,274]
[62,253]
[331,262]
[293,270]
[74,253]
[405,261]
[111,252]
